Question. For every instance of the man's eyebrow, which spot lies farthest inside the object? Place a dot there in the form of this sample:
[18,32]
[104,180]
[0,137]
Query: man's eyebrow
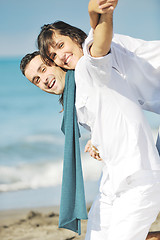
[33,79]
[40,67]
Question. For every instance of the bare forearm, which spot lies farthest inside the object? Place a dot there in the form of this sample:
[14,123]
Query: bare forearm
[94,19]
[98,7]
[93,11]
[102,36]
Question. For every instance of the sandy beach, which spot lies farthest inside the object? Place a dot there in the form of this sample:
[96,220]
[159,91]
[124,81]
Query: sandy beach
[40,224]
[35,224]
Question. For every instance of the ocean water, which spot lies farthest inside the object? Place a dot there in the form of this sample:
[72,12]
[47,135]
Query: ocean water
[31,143]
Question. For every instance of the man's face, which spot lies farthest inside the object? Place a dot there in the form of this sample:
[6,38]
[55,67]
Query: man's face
[49,79]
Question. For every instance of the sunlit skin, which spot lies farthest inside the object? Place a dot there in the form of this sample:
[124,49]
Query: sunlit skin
[93,151]
[49,79]
[65,52]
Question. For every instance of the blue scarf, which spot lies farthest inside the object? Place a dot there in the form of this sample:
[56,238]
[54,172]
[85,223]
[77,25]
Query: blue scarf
[158,142]
[73,206]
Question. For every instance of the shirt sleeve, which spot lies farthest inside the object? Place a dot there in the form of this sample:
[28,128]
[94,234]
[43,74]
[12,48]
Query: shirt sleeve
[99,68]
[127,42]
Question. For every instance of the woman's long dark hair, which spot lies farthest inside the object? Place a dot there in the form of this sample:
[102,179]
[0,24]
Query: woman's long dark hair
[45,39]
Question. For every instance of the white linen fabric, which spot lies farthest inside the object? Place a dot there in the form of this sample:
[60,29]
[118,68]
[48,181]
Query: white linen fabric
[108,103]
[126,217]
[138,62]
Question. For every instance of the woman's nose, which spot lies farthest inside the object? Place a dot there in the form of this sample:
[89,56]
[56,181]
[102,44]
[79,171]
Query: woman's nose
[61,55]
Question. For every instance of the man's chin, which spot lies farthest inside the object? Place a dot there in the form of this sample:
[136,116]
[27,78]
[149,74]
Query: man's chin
[50,92]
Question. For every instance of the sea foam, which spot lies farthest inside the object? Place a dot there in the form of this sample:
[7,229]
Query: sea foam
[43,174]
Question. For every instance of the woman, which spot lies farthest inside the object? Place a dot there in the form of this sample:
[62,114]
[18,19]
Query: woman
[137,60]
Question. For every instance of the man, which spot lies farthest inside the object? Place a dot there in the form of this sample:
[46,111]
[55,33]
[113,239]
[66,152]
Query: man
[49,79]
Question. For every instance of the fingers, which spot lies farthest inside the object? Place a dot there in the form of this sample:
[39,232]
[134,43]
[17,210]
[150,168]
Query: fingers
[98,158]
[107,5]
[104,4]
[95,155]
[93,151]
[88,146]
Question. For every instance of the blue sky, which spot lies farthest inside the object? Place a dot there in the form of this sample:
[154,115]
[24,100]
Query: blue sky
[20,20]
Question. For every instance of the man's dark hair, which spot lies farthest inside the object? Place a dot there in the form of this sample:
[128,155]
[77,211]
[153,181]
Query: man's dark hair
[26,59]
[45,39]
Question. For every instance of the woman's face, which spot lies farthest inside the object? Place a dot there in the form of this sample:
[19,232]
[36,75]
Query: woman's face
[65,52]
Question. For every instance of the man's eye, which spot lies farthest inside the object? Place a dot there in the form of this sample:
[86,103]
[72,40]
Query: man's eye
[37,80]
[43,69]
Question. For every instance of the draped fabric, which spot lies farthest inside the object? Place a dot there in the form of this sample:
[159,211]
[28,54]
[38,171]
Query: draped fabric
[158,142]
[73,205]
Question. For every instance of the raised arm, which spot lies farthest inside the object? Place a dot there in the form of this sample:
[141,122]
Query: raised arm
[94,13]
[101,12]
[97,7]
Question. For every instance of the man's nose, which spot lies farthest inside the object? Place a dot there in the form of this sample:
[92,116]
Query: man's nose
[44,79]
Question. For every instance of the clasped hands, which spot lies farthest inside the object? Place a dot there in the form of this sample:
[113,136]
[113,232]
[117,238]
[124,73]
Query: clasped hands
[103,6]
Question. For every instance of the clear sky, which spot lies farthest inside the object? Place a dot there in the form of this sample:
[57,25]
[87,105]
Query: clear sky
[20,20]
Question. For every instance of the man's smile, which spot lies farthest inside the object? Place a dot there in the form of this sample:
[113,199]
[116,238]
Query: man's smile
[52,83]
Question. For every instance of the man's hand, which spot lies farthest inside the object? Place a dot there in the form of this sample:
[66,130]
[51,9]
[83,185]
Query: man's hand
[93,151]
[107,5]
[102,6]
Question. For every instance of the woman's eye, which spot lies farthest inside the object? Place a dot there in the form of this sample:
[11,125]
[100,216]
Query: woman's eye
[53,56]
[43,69]
[61,45]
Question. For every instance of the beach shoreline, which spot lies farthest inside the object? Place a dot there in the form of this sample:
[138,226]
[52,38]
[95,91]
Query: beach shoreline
[41,223]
